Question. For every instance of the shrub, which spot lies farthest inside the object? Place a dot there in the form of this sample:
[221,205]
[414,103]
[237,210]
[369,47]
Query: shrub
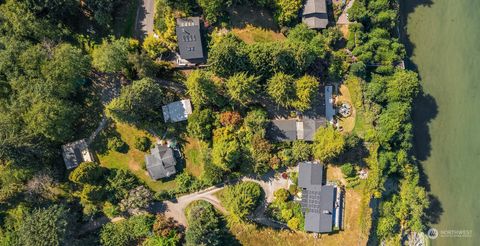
[241,199]
[142,143]
[281,195]
[110,210]
[126,232]
[292,189]
[87,172]
[348,170]
[117,144]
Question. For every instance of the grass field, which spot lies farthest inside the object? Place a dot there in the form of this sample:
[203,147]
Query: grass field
[251,34]
[194,156]
[134,159]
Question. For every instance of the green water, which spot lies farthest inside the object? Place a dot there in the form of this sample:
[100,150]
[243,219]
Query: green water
[445,48]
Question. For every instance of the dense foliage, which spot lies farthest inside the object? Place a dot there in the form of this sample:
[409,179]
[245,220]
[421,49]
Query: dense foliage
[204,225]
[241,199]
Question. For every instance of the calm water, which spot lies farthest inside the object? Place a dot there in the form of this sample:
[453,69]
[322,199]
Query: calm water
[445,48]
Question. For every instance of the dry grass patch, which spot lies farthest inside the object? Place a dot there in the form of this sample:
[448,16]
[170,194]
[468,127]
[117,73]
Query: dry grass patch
[195,156]
[251,34]
[348,123]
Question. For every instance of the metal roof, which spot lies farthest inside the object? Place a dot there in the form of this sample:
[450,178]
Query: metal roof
[329,110]
[177,111]
[189,38]
[289,130]
[75,153]
[314,14]
[161,162]
[317,199]
[314,7]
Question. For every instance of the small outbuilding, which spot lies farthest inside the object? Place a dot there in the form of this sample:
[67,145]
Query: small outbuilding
[161,162]
[329,109]
[189,40]
[75,153]
[314,14]
[177,111]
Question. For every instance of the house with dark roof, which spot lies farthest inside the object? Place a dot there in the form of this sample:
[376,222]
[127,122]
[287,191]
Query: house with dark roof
[319,200]
[75,153]
[293,129]
[314,14]
[161,162]
[189,41]
[177,111]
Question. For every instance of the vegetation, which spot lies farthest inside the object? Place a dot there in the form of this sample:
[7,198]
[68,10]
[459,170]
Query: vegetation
[127,231]
[204,225]
[286,210]
[241,199]
[328,144]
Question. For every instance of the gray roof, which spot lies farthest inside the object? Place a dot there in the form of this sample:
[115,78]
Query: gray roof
[75,153]
[289,130]
[161,162]
[189,39]
[319,209]
[315,14]
[314,7]
[329,110]
[310,175]
[317,199]
[177,111]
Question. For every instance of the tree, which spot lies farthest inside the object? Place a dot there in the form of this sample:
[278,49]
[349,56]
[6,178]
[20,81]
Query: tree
[305,89]
[255,123]
[227,56]
[153,46]
[126,232]
[44,227]
[403,86]
[230,118]
[92,194]
[164,226]
[139,104]
[66,70]
[261,154]
[348,170]
[226,148]
[242,88]
[287,11]
[143,65]
[328,143]
[111,56]
[51,118]
[201,89]
[392,124]
[142,143]
[137,199]
[120,182]
[212,9]
[301,151]
[87,173]
[241,199]
[204,225]
[200,124]
[117,144]
[280,88]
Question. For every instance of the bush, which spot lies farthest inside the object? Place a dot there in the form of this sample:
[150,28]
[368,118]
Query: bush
[110,210]
[117,144]
[142,143]
[126,232]
[87,173]
[292,189]
[204,225]
[348,170]
[281,195]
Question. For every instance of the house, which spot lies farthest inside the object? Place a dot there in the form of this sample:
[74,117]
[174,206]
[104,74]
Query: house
[189,40]
[318,199]
[75,153]
[177,111]
[314,14]
[161,162]
[329,110]
[292,129]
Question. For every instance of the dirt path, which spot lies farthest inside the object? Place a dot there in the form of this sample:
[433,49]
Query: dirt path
[343,19]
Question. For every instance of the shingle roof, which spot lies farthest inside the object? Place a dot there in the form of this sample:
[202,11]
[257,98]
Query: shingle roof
[289,130]
[161,162]
[177,111]
[75,153]
[315,14]
[189,38]
[314,7]
[310,175]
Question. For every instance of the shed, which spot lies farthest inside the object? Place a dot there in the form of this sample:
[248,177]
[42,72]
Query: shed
[177,111]
[75,153]
[329,110]
[314,14]
[189,39]
[161,162]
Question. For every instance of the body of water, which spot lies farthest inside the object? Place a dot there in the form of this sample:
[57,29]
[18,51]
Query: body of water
[443,39]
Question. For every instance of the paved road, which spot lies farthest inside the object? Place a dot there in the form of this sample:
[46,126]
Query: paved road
[144,19]
[343,20]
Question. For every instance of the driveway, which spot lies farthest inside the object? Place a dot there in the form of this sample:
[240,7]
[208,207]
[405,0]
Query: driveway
[343,19]
[144,19]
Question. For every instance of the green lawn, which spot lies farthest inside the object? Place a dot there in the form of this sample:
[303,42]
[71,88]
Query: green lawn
[134,159]
[194,156]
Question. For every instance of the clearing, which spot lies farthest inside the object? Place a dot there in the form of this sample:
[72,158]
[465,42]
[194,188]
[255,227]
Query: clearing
[347,123]
[194,156]
[133,160]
